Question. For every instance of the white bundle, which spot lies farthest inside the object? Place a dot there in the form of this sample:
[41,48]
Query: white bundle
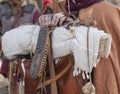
[21,40]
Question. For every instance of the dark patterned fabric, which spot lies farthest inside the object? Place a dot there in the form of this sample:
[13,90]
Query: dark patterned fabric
[40,53]
[75,5]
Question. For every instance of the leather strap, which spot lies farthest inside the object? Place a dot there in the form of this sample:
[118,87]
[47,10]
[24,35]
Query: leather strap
[51,67]
[49,81]
[88,53]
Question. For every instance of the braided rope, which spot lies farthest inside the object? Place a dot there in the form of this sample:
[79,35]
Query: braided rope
[45,56]
[44,62]
[39,60]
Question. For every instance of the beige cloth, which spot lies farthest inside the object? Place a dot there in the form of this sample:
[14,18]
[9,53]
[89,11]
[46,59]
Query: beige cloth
[107,72]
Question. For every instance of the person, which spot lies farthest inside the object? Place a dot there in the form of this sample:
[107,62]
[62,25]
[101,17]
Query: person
[13,11]
[106,76]
[13,14]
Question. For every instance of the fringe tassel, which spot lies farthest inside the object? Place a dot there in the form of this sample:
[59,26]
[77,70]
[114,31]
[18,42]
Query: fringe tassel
[21,88]
[88,88]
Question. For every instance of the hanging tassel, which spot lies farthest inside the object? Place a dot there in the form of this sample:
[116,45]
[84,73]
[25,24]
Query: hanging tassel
[21,87]
[88,88]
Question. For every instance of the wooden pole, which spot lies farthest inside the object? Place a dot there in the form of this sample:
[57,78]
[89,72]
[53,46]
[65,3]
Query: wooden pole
[54,89]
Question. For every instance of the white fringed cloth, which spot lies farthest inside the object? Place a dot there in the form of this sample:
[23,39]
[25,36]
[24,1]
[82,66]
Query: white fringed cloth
[64,42]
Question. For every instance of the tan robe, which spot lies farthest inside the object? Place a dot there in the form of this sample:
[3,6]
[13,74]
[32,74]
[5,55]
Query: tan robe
[107,72]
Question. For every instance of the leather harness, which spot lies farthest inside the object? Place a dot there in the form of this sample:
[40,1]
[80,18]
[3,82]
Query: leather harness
[56,77]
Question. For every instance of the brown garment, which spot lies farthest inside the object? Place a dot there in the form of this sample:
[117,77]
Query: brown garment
[107,72]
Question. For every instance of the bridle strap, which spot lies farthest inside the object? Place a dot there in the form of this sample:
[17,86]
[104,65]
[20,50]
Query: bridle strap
[49,81]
